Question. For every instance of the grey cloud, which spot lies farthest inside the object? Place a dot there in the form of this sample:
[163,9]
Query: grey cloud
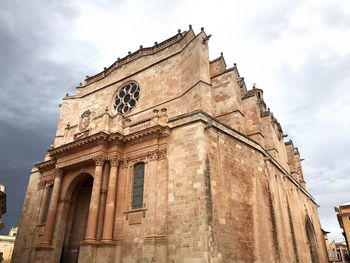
[32,84]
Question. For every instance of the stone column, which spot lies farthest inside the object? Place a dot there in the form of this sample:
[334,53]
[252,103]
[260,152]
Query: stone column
[110,205]
[51,215]
[95,200]
[103,198]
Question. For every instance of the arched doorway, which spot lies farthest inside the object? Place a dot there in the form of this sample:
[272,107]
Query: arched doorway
[77,217]
[311,240]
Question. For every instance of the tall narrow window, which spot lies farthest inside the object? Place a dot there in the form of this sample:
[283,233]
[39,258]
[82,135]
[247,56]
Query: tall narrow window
[137,194]
[47,203]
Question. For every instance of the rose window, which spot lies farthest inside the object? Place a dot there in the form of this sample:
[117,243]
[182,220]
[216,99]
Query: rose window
[126,98]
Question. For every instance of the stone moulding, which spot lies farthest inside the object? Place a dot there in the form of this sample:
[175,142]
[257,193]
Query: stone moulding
[155,239]
[116,242]
[44,247]
[98,137]
[156,130]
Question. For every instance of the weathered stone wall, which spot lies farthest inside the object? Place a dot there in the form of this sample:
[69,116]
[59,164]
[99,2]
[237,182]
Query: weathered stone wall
[226,99]
[187,209]
[28,233]
[232,187]
[256,207]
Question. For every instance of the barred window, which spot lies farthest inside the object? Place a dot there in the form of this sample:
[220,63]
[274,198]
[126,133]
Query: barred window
[137,194]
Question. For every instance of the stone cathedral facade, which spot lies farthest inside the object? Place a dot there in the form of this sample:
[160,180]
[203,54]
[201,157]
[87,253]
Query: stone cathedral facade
[166,156]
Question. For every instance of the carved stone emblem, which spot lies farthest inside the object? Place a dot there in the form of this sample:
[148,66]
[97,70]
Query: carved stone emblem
[85,120]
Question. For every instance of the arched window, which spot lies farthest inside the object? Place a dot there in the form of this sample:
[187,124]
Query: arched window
[310,233]
[137,192]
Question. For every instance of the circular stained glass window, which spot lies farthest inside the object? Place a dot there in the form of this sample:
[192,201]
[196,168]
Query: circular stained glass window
[126,98]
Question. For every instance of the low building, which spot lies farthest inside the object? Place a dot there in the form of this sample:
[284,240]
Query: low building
[2,204]
[343,215]
[330,246]
[342,252]
[6,245]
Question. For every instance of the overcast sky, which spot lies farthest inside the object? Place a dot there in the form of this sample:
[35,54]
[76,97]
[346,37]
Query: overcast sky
[298,52]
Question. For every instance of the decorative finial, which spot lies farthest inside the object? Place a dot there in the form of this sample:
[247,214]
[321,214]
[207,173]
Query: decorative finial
[221,53]
[129,52]
[202,29]
[86,77]
[254,85]
[104,68]
[67,94]
[206,38]
[235,65]
[80,84]
[179,31]
[155,43]
[190,26]
[141,47]
[118,59]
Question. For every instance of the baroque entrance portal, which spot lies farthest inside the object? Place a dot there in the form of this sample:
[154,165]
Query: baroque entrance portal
[76,221]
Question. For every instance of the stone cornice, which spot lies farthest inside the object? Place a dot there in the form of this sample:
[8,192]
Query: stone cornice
[100,138]
[46,165]
[97,137]
[155,130]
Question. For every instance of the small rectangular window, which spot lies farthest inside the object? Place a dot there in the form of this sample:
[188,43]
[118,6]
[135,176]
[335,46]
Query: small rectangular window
[137,193]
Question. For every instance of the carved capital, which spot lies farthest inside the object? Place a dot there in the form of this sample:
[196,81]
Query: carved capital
[125,162]
[157,154]
[58,172]
[115,160]
[153,155]
[162,154]
[41,184]
[99,160]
